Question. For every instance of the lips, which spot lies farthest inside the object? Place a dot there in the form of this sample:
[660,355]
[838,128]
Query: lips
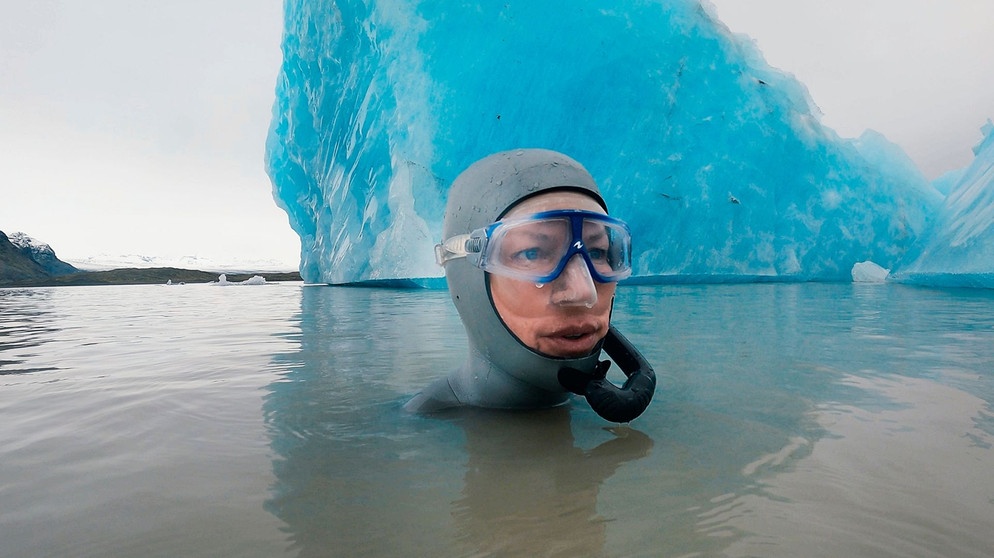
[571,341]
[575,331]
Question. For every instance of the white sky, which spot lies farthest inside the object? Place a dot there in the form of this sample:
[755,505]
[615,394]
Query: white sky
[139,126]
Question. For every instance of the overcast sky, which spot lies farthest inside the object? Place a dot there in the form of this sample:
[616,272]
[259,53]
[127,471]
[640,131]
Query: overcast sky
[919,71]
[138,126]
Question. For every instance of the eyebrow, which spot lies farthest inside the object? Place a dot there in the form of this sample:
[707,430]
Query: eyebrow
[596,236]
[531,235]
[539,230]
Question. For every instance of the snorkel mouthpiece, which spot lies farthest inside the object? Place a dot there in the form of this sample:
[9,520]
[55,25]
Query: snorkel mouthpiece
[610,402]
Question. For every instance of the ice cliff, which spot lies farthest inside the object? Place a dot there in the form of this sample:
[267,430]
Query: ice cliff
[958,249]
[717,161]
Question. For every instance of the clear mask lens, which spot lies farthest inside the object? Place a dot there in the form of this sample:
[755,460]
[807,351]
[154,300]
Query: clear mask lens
[538,247]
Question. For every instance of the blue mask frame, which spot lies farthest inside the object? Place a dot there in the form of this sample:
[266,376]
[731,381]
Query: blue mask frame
[478,249]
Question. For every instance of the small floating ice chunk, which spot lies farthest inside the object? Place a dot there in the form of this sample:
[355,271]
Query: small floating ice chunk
[869,272]
[222,280]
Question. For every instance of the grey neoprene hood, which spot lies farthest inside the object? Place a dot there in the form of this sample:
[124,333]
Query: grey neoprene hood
[500,371]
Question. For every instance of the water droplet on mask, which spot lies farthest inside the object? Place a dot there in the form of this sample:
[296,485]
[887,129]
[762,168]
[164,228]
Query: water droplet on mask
[539,285]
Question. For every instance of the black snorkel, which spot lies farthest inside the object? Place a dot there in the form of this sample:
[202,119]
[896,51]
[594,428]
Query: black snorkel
[612,403]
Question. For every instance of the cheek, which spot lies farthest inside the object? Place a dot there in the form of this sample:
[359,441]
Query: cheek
[605,296]
[519,305]
[605,291]
[517,299]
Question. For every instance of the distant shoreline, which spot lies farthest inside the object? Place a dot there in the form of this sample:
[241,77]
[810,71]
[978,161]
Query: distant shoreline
[144,276]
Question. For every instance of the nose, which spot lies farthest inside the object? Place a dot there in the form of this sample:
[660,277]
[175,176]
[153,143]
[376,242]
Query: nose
[574,286]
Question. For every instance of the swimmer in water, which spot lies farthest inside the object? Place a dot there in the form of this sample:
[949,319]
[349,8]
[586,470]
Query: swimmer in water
[532,260]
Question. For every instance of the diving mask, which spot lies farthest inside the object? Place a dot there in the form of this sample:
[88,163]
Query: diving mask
[538,247]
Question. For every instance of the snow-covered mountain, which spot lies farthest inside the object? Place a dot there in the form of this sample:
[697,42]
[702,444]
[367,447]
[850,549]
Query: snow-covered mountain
[15,265]
[41,253]
[110,261]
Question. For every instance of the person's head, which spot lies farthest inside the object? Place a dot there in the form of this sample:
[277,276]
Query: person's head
[531,259]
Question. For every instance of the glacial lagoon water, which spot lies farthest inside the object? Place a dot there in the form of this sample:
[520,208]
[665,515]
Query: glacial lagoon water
[790,420]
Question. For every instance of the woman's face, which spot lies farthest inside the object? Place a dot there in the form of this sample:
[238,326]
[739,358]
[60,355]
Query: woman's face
[566,317]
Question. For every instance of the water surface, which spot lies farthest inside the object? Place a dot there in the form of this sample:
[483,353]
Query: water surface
[790,420]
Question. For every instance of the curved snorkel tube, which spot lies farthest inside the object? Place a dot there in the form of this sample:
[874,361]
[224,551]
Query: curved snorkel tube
[609,401]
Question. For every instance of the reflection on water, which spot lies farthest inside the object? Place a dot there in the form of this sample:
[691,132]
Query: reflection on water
[854,420]
[354,474]
[790,420]
[906,480]
[528,486]
[748,376]
[357,474]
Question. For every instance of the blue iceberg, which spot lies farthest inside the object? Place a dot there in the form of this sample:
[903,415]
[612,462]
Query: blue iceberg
[717,161]
[958,249]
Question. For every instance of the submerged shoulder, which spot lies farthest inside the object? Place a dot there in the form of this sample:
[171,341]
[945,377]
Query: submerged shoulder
[436,397]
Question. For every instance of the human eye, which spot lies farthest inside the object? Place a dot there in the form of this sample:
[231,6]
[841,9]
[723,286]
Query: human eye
[529,257]
[598,244]
[528,254]
[597,254]
[533,247]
